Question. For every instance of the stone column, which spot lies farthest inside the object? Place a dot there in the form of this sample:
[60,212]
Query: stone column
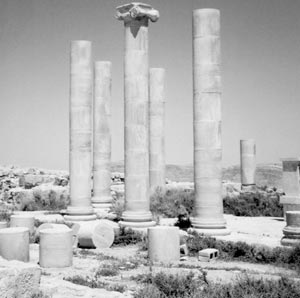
[290,184]
[157,125]
[80,132]
[291,231]
[208,211]
[137,205]
[102,199]
[248,166]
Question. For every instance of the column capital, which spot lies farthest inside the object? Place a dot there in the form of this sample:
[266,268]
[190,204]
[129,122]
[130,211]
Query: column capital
[135,11]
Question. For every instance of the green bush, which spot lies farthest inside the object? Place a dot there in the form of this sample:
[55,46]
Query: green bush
[241,251]
[128,236]
[169,285]
[252,288]
[94,282]
[254,204]
[164,285]
[107,270]
[169,202]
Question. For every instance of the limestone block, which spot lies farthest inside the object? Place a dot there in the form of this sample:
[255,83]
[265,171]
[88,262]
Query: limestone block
[56,248]
[14,244]
[95,234]
[23,220]
[208,254]
[18,279]
[163,244]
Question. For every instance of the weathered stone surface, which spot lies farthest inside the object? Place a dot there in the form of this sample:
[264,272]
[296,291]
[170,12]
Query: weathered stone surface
[23,220]
[56,247]
[80,207]
[156,128]
[102,198]
[95,234]
[248,162]
[18,279]
[14,244]
[208,211]
[163,244]
[291,184]
[136,84]
[292,229]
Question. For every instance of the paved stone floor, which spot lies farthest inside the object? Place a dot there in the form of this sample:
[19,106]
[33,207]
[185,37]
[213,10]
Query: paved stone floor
[255,230]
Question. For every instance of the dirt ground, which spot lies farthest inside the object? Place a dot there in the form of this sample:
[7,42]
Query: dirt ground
[132,261]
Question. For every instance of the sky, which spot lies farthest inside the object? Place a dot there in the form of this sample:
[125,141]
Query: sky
[260,74]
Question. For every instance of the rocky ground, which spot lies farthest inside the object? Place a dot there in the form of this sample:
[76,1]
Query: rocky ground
[131,261]
[34,189]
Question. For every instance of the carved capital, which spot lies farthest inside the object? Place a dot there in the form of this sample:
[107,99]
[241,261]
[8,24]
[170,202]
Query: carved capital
[135,11]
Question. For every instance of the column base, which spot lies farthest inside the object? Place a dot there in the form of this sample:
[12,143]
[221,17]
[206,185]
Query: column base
[210,227]
[79,214]
[72,218]
[290,241]
[137,216]
[102,202]
[137,225]
[211,232]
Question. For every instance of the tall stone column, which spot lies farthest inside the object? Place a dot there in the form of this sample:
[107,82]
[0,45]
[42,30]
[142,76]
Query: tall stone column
[80,132]
[208,211]
[157,125]
[102,199]
[136,66]
[248,165]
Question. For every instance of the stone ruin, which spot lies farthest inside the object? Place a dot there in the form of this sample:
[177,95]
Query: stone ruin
[144,151]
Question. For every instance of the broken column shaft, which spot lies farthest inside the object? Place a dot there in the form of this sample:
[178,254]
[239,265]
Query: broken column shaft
[80,132]
[102,199]
[208,215]
[248,164]
[156,129]
[136,66]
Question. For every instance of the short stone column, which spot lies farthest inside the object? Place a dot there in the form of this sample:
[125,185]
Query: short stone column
[290,184]
[14,244]
[56,248]
[22,220]
[163,244]
[80,132]
[292,230]
[3,224]
[208,215]
[102,199]
[137,202]
[156,128]
[248,164]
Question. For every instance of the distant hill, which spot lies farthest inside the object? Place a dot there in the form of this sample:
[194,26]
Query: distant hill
[266,174]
